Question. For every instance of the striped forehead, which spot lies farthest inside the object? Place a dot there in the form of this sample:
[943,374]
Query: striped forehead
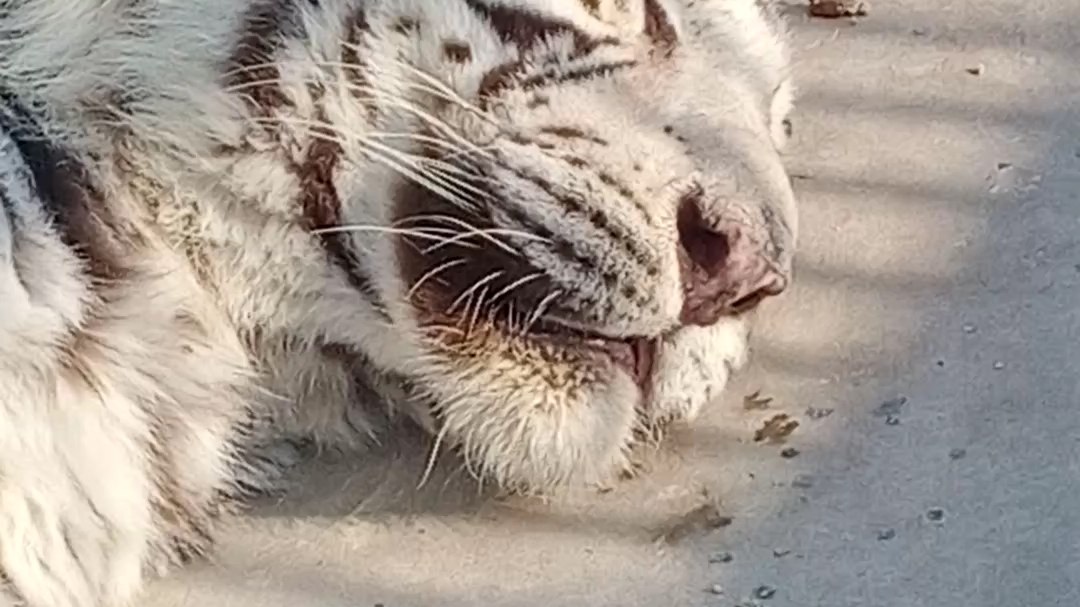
[269,25]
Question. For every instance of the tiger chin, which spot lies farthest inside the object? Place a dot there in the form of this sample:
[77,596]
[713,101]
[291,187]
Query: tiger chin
[538,227]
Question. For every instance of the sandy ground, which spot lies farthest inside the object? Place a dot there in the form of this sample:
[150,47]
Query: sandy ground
[937,155]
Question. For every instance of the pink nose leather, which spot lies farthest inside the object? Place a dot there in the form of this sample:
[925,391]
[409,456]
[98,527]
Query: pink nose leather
[724,270]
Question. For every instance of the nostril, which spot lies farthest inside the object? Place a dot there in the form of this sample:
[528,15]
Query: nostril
[774,285]
[725,270]
[706,248]
[770,286]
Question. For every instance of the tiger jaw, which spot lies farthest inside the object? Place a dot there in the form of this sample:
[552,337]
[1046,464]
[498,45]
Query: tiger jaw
[541,407]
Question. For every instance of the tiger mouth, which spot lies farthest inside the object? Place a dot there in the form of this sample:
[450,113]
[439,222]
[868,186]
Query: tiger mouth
[635,356]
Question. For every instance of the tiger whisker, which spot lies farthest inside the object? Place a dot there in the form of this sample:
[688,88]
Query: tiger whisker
[494,275]
[431,274]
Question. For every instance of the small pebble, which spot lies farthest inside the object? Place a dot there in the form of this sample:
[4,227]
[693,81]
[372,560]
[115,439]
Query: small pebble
[803,481]
[764,592]
[969,328]
[999,365]
[780,552]
[716,589]
[721,557]
[957,453]
[815,413]
[886,534]
[892,420]
[718,521]
[892,406]
[920,31]
[941,363]
[789,453]
[935,515]
[976,70]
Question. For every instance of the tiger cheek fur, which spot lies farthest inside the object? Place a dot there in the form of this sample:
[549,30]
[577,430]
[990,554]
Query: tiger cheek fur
[540,227]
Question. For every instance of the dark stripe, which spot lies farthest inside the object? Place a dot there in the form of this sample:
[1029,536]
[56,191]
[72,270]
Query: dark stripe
[354,68]
[7,206]
[626,192]
[321,203]
[321,208]
[457,51]
[659,29]
[251,69]
[406,26]
[569,132]
[268,24]
[507,76]
[560,244]
[574,203]
[498,79]
[524,28]
[592,6]
[76,207]
[574,75]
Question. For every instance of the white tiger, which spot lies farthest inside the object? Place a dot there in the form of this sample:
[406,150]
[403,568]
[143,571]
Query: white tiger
[535,226]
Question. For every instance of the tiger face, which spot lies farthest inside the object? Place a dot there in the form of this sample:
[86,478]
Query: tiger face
[590,204]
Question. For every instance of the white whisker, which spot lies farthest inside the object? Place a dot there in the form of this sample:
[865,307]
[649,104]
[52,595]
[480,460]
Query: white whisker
[431,274]
[472,289]
[540,309]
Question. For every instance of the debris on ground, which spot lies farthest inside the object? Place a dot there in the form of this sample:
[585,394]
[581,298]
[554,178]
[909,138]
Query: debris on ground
[706,517]
[976,70]
[837,9]
[780,552]
[721,557]
[815,413]
[892,420]
[957,453]
[891,407]
[1007,177]
[764,592]
[886,534]
[755,401]
[803,481]
[716,589]
[935,515]
[789,453]
[776,428]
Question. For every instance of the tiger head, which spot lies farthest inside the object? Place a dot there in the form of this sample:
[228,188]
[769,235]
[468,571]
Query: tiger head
[574,207]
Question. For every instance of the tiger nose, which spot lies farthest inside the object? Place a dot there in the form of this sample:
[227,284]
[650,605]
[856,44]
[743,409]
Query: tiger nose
[725,270]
